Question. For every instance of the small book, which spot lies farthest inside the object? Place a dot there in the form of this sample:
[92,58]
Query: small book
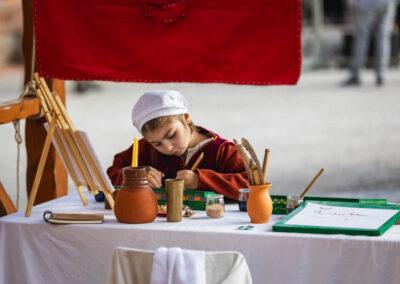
[72,218]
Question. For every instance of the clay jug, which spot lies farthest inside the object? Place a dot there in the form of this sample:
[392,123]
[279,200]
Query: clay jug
[135,202]
[259,204]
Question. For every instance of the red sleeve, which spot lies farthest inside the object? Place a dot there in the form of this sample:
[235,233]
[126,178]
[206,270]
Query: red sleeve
[124,159]
[121,160]
[230,175]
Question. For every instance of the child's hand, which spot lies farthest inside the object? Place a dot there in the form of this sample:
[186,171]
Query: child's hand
[191,179]
[155,178]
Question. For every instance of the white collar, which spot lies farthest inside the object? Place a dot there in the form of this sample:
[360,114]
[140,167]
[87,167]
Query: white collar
[193,150]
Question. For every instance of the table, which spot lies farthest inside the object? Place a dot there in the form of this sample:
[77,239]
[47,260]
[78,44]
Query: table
[33,251]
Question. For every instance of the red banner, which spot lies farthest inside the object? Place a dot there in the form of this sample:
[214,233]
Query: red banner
[256,42]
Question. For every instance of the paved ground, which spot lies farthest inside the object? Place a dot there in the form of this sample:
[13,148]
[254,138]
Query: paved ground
[354,133]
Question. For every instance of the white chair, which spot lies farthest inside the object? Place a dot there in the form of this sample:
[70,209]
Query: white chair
[134,266]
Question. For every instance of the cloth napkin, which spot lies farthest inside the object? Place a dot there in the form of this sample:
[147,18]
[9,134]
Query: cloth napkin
[178,266]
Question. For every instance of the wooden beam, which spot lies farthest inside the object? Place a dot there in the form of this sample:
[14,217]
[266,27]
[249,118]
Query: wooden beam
[54,182]
[18,109]
[6,204]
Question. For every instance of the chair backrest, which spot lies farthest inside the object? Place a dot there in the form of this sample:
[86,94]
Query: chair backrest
[6,204]
[131,265]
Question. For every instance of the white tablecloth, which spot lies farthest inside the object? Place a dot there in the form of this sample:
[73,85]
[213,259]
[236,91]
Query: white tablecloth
[33,251]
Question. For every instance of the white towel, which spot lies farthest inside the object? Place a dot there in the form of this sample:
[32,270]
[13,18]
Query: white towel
[178,266]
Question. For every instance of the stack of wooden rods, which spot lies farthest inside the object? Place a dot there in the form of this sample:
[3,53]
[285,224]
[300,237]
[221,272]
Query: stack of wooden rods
[257,175]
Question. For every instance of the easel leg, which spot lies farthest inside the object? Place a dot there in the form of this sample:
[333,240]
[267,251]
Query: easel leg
[110,199]
[39,172]
[82,195]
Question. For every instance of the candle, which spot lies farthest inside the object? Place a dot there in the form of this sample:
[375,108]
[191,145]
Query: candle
[135,152]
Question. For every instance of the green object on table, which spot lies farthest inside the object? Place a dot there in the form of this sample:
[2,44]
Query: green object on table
[279,204]
[344,199]
[195,199]
[246,228]
[282,225]
[279,201]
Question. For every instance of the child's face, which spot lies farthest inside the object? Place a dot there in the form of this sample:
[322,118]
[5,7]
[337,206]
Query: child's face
[170,139]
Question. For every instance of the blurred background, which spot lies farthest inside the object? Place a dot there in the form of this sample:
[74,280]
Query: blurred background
[351,131]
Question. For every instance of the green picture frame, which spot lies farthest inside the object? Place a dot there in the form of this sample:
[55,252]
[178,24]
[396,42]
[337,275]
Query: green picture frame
[282,225]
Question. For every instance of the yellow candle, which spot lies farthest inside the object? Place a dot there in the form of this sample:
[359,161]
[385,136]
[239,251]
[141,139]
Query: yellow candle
[135,152]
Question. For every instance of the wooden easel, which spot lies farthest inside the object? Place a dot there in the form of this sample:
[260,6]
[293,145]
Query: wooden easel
[76,155]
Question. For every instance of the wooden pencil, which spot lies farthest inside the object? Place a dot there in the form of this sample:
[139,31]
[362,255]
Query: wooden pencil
[197,161]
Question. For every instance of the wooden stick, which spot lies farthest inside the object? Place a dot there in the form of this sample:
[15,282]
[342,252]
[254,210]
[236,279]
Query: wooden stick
[197,161]
[312,182]
[250,174]
[39,171]
[245,159]
[256,175]
[253,155]
[265,165]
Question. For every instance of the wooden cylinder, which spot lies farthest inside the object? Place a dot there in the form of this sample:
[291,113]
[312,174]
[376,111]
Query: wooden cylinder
[174,189]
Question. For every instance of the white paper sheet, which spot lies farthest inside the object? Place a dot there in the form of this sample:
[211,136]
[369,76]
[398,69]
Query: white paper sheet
[97,164]
[343,217]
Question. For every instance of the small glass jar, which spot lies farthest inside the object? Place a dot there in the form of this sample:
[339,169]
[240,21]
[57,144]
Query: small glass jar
[292,202]
[242,199]
[215,207]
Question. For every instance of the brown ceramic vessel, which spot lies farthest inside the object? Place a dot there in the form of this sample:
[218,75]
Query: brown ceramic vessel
[135,202]
[259,204]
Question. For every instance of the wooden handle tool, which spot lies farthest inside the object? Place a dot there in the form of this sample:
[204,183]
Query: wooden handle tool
[253,155]
[265,164]
[245,159]
[312,182]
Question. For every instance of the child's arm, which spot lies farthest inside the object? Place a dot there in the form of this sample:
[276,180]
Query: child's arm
[155,178]
[191,179]
[124,159]
[229,177]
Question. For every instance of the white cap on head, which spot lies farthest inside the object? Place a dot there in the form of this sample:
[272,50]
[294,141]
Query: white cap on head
[155,104]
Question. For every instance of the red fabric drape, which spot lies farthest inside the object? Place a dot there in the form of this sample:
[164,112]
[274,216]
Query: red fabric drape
[254,42]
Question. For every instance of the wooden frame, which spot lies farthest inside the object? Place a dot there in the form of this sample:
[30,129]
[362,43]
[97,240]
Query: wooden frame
[74,147]
[6,204]
[326,216]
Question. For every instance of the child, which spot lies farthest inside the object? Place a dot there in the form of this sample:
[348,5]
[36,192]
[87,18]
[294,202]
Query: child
[172,144]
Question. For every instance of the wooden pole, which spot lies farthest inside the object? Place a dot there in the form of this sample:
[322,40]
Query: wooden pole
[42,161]
[64,153]
[54,181]
[6,204]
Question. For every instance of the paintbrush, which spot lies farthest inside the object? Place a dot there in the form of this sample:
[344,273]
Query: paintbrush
[312,182]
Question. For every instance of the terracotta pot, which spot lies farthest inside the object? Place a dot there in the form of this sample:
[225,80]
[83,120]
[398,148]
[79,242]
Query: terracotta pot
[259,204]
[135,202]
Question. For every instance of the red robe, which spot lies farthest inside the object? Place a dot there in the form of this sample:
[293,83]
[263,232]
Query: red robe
[221,169]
